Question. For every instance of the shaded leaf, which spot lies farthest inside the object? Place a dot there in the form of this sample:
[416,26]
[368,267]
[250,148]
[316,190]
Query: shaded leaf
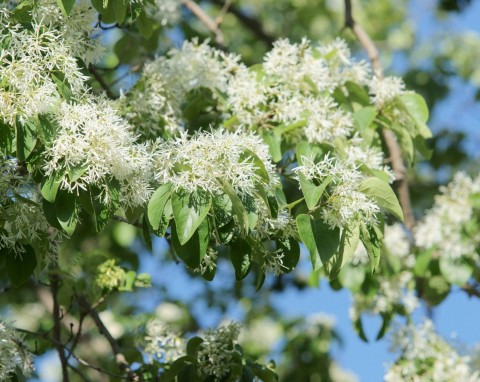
[189,210]
[382,194]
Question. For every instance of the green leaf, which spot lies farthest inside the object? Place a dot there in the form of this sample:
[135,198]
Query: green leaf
[372,244]
[223,210]
[436,289]
[193,345]
[406,143]
[248,202]
[240,256]
[66,6]
[63,88]
[386,320]
[422,263]
[193,251]
[6,139]
[120,10]
[249,156]
[145,25]
[91,201]
[157,203]
[357,93]
[177,367]
[67,211]
[349,244]
[274,142]
[74,173]
[50,186]
[455,271]
[311,192]
[358,326]
[321,241]
[291,251]
[26,138]
[237,204]
[143,280]
[364,117]
[189,210]
[50,214]
[416,107]
[128,282]
[383,195]
[21,266]
[352,277]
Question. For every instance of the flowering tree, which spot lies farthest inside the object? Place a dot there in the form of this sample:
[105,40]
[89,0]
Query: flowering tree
[304,150]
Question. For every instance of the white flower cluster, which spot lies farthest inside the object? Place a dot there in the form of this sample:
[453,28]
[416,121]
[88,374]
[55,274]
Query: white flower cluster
[443,227]
[217,354]
[372,157]
[384,90]
[165,12]
[154,105]
[13,356]
[398,244]
[345,206]
[162,342]
[96,142]
[21,212]
[29,60]
[78,29]
[205,160]
[425,356]
[392,291]
[110,276]
[295,88]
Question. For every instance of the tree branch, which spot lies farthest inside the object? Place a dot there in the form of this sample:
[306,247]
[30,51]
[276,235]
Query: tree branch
[121,219]
[250,23]
[471,290]
[101,81]
[119,357]
[54,285]
[393,147]
[211,25]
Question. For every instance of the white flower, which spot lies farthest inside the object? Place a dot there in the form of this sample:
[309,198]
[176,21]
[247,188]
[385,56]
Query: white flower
[206,160]
[442,227]
[78,29]
[94,140]
[166,12]
[30,59]
[13,355]
[392,291]
[384,90]
[398,244]
[345,206]
[162,342]
[21,213]
[154,105]
[217,353]
[425,356]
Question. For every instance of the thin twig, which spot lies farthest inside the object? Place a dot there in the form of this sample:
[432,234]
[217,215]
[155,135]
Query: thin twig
[393,147]
[54,285]
[211,25]
[81,361]
[119,356]
[101,81]
[472,290]
[223,12]
[125,220]
[254,25]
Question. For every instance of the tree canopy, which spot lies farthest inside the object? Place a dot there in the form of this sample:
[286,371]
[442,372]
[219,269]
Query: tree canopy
[257,147]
